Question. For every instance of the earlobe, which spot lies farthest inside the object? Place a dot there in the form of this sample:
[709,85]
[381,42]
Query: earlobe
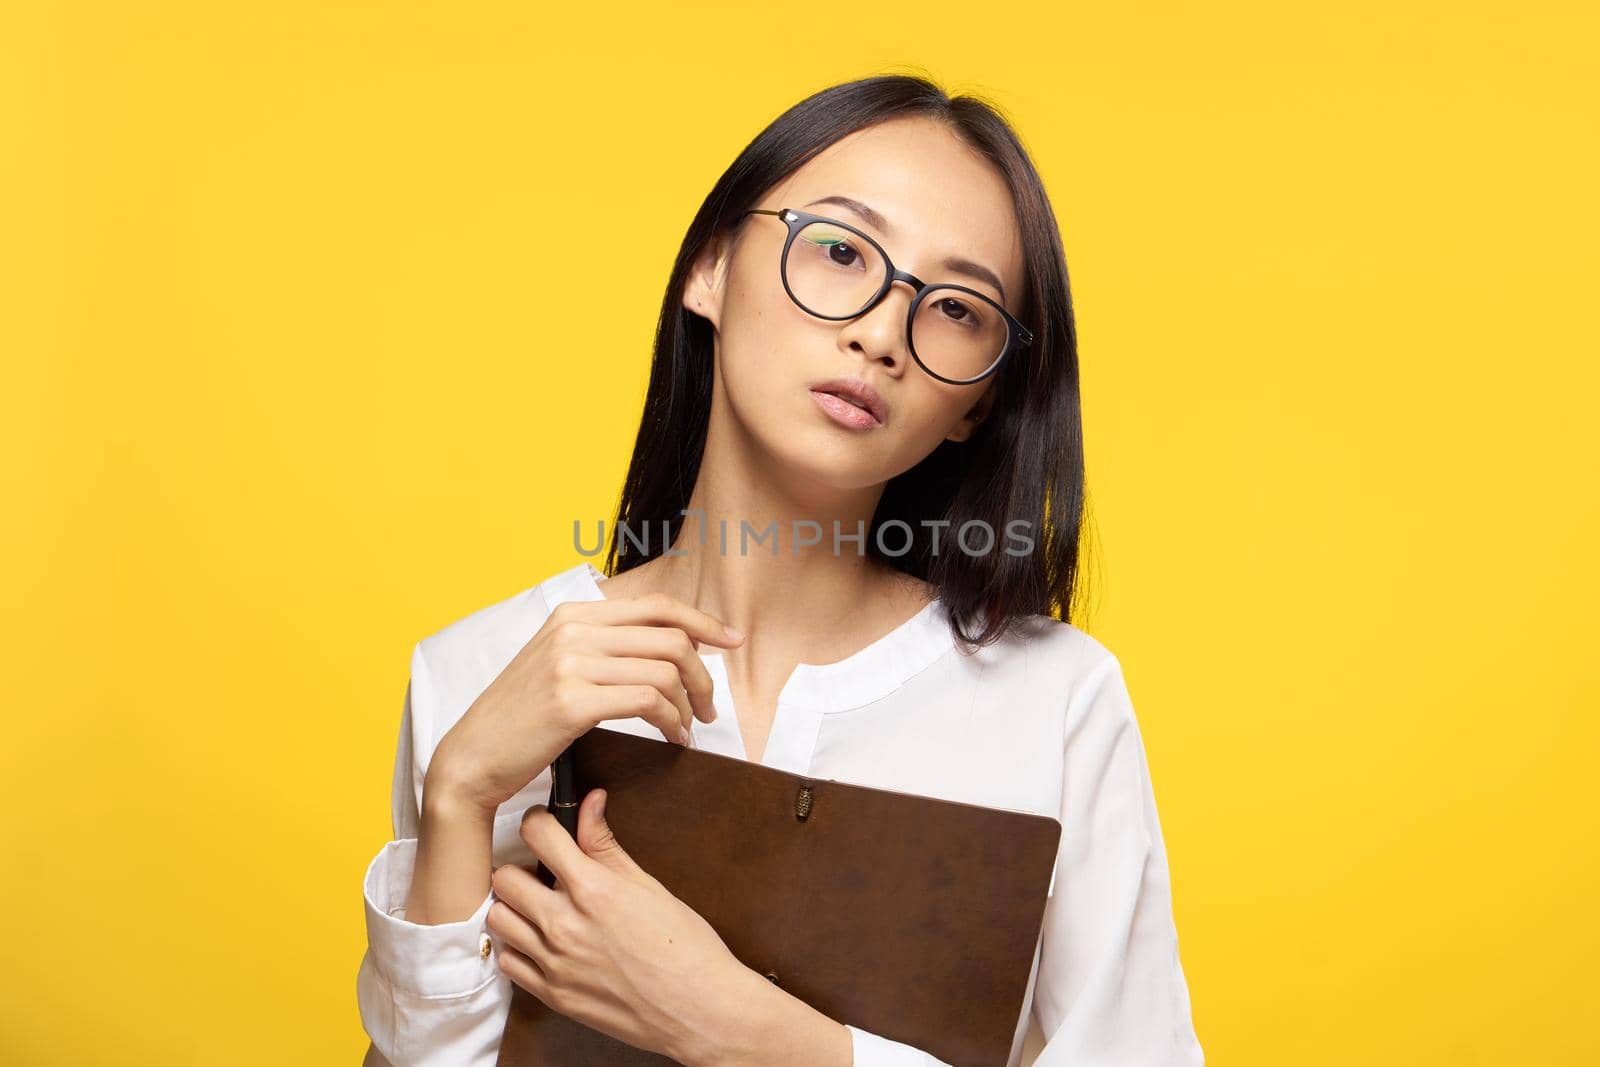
[694,297]
[700,293]
[701,306]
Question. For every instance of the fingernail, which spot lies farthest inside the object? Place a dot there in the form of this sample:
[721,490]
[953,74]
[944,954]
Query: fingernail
[733,635]
[683,735]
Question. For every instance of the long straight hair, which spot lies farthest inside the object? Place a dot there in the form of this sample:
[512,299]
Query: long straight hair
[1024,461]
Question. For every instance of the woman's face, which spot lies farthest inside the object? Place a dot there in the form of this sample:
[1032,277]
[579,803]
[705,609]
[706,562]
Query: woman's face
[937,199]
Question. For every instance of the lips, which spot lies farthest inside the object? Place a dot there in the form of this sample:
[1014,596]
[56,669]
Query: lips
[857,392]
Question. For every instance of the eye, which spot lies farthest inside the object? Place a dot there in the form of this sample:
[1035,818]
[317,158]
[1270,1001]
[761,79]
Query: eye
[843,254]
[838,249]
[958,311]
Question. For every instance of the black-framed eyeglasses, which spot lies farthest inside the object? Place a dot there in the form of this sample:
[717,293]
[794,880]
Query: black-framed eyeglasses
[834,271]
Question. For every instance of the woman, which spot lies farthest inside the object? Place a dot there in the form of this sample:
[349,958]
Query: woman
[866,359]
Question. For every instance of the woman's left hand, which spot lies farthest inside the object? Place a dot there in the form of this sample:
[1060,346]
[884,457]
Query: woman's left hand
[610,946]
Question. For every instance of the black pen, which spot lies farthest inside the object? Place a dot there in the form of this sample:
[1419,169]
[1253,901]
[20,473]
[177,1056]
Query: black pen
[563,805]
[564,802]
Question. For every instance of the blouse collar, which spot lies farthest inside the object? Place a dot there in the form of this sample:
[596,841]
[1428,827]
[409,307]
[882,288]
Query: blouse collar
[862,677]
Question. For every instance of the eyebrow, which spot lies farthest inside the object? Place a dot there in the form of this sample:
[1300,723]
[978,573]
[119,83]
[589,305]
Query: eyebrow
[958,264]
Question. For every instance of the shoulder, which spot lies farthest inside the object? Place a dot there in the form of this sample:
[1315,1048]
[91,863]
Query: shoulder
[1058,658]
[1054,645]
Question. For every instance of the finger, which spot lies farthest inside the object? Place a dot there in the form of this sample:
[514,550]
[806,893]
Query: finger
[525,972]
[555,848]
[512,927]
[597,840]
[662,643]
[631,670]
[657,609]
[518,887]
[596,702]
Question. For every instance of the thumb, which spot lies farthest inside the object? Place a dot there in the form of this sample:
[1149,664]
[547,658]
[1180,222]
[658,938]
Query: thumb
[595,836]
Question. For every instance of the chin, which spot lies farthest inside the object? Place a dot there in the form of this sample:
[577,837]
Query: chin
[825,461]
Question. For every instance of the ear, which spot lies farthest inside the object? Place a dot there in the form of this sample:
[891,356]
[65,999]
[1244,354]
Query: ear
[975,415]
[702,287]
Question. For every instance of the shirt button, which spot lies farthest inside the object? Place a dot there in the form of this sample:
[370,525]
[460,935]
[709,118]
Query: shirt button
[483,947]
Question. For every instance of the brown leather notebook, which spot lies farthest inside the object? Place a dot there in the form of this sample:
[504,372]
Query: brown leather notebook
[910,917]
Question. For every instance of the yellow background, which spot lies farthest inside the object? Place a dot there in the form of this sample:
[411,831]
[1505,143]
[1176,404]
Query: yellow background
[302,306]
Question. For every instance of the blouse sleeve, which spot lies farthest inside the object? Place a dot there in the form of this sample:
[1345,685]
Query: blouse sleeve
[871,1050]
[1110,988]
[428,995]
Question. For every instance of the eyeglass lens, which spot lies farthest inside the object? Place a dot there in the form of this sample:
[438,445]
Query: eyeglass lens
[832,272]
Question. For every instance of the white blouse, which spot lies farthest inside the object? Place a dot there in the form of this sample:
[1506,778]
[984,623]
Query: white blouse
[1040,722]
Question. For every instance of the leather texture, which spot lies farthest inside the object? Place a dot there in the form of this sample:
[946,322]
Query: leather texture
[911,917]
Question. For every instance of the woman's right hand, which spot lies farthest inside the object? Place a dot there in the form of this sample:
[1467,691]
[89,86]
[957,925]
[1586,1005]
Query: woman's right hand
[591,660]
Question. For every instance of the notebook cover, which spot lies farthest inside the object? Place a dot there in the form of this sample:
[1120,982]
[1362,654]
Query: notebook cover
[910,917]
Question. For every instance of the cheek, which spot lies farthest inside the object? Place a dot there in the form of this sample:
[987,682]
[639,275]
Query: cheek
[752,359]
[762,349]
[932,410]
[753,299]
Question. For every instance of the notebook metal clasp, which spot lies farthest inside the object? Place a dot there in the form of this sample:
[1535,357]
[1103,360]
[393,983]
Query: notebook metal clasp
[802,803]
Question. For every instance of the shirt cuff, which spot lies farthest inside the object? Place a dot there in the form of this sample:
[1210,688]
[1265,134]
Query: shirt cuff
[449,959]
[870,1050]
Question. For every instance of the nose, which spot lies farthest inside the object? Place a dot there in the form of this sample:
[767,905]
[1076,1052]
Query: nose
[880,333]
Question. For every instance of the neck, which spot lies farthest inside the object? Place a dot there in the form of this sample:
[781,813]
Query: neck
[725,570]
